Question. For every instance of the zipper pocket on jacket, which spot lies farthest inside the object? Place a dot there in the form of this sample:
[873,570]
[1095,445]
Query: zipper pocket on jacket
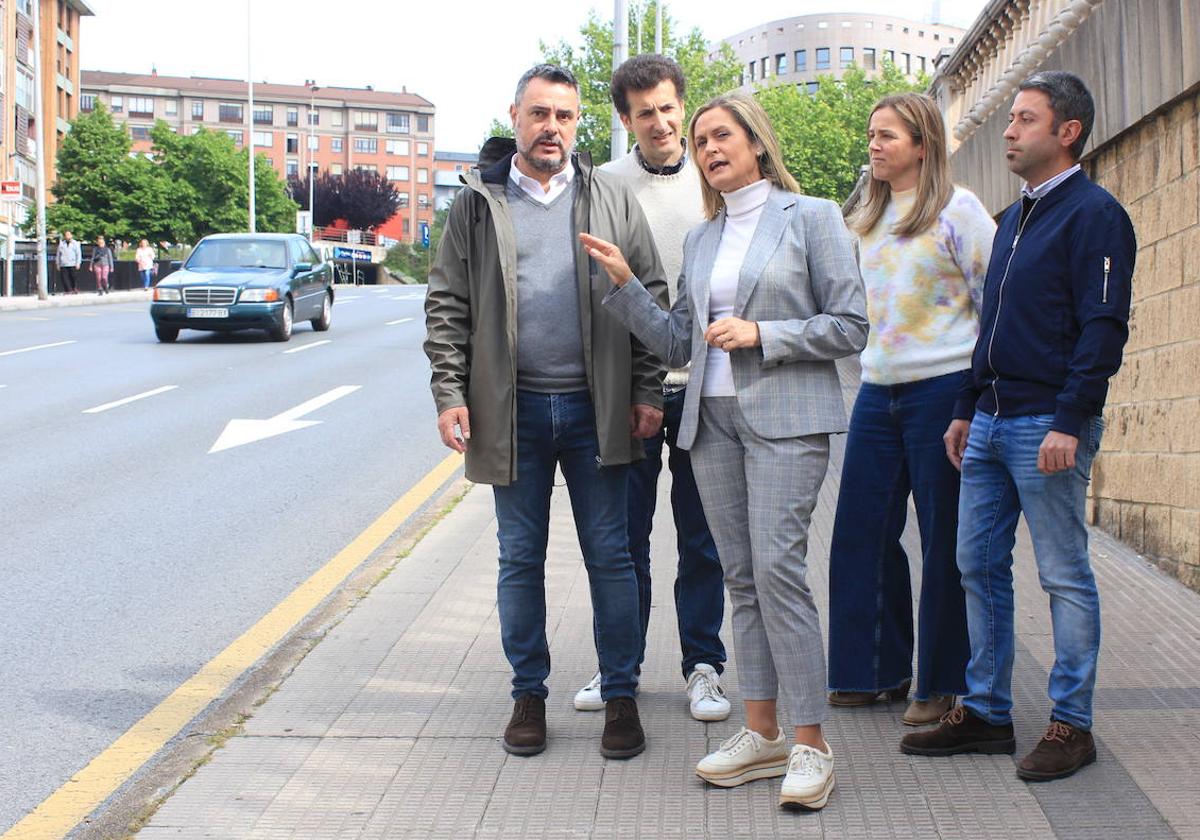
[1107,268]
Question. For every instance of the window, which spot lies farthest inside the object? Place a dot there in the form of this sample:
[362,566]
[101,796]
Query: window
[87,102]
[868,62]
[291,144]
[118,102]
[335,169]
[366,120]
[823,24]
[921,59]
[337,119]
[937,37]
[763,63]
[920,33]
[235,136]
[197,109]
[907,63]
[423,200]
[264,115]
[292,167]
[870,24]
[230,112]
[813,87]
[314,143]
[822,58]
[422,150]
[846,55]
[293,117]
[263,138]
[171,107]
[196,129]
[397,147]
[141,106]
[890,56]
[366,167]
[781,64]
[366,145]
[314,117]
[397,173]
[753,70]
[422,176]
[404,222]
[422,124]
[397,124]
[335,144]
[139,132]
[801,61]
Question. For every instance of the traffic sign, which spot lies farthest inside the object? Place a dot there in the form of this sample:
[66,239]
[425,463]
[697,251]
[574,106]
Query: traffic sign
[424,234]
[359,254]
[11,191]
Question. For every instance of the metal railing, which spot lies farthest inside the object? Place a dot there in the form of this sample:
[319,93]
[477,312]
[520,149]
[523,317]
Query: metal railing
[350,237]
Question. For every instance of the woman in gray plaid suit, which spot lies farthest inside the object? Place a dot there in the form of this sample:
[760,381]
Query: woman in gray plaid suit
[778,298]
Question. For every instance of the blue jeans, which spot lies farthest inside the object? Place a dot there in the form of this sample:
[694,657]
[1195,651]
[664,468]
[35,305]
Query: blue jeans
[699,588]
[147,275]
[1000,480]
[560,429]
[895,449]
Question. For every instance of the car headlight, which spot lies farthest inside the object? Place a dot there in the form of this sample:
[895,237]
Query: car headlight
[166,294]
[259,295]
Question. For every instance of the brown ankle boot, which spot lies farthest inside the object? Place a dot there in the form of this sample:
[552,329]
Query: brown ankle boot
[526,731]
[1062,750]
[868,698]
[623,736]
[961,732]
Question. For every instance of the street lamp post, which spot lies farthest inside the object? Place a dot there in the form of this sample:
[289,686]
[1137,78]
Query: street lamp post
[619,143]
[250,115]
[312,176]
[40,180]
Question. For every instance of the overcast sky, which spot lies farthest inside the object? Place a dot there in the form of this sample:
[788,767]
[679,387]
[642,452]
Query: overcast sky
[466,63]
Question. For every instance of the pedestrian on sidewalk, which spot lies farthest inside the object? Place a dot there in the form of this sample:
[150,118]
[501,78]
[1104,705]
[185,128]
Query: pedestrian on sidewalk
[778,298]
[924,246]
[68,258]
[144,257]
[1028,424]
[101,264]
[530,373]
[648,91]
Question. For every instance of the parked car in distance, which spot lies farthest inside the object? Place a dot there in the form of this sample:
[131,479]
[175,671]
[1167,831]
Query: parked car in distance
[245,281]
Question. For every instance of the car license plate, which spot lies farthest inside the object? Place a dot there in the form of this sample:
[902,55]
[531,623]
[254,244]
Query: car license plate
[201,312]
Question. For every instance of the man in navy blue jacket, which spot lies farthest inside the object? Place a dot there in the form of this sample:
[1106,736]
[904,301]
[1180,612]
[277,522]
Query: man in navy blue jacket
[1027,425]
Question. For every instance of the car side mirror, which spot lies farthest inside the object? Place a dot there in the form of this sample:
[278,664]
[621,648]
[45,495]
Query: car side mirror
[301,268]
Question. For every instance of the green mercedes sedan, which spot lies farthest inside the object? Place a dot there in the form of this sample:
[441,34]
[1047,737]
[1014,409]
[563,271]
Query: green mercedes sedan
[245,281]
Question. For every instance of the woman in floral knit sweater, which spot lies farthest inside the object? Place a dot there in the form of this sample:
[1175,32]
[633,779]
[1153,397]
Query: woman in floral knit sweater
[924,246]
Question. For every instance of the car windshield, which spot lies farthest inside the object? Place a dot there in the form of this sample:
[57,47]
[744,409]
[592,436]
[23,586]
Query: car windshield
[239,253]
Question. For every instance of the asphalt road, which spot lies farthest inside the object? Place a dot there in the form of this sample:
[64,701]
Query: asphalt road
[130,554]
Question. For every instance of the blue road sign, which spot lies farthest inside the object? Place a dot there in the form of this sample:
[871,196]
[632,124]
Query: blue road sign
[359,254]
[424,234]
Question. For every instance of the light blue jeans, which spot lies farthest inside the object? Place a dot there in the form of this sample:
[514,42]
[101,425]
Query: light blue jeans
[1000,480]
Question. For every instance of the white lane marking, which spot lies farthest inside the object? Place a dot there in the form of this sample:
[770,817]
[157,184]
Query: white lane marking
[82,314]
[401,321]
[346,300]
[307,346]
[127,400]
[36,347]
[239,432]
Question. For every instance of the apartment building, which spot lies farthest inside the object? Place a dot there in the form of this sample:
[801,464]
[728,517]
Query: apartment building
[296,127]
[21,137]
[447,167]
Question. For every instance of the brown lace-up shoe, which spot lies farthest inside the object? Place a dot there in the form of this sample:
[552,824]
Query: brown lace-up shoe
[526,731]
[961,732]
[623,736]
[1062,751]
[868,698]
[921,712]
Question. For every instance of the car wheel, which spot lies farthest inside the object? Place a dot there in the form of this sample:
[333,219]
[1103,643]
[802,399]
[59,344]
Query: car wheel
[282,331]
[322,323]
[166,334]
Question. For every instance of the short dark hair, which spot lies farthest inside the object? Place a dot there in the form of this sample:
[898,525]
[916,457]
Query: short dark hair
[643,72]
[549,72]
[1069,100]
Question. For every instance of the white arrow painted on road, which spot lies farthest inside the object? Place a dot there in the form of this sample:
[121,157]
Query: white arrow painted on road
[239,432]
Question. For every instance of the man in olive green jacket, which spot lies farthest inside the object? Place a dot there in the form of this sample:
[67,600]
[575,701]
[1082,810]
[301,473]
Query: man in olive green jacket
[530,373]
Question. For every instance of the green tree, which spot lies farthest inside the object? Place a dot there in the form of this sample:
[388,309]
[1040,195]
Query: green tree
[824,135]
[412,259]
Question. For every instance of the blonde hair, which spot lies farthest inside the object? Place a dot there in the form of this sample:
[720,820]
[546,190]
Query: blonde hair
[921,116]
[757,125]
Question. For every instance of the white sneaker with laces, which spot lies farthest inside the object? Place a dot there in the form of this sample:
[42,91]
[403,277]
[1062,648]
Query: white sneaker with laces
[809,779]
[588,698]
[743,758]
[705,695]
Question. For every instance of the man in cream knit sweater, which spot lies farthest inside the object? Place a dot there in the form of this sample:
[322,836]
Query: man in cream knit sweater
[648,92]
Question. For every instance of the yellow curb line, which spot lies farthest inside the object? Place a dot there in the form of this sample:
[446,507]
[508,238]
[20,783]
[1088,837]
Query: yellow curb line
[64,809]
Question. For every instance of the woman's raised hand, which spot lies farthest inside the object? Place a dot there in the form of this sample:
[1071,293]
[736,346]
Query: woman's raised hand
[609,256]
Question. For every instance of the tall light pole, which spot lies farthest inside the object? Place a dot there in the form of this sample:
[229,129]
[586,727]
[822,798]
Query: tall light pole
[312,216]
[658,26]
[620,52]
[40,180]
[250,114]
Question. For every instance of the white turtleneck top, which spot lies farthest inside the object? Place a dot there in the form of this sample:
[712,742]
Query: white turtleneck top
[742,210]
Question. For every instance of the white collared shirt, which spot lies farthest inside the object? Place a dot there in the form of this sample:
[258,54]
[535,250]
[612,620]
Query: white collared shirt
[533,187]
[1042,189]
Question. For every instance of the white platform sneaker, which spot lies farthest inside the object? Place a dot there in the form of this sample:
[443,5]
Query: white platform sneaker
[705,695]
[588,698]
[809,779]
[743,758]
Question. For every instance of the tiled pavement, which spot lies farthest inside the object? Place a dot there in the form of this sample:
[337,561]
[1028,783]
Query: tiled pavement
[389,728]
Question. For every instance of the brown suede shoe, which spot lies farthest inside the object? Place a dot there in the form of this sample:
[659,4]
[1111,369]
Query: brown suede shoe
[623,736]
[526,731]
[868,698]
[1062,751]
[961,732]
[921,712]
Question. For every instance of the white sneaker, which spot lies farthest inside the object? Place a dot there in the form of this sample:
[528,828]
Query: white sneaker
[588,698]
[743,758]
[705,695]
[809,779]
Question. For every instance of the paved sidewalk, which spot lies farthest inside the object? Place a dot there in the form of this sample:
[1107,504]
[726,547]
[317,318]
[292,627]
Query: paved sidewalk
[21,303]
[389,728]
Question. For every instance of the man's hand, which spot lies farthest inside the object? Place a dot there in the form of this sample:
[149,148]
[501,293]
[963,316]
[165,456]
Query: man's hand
[609,256]
[732,334]
[454,425]
[956,441]
[1057,452]
[644,421]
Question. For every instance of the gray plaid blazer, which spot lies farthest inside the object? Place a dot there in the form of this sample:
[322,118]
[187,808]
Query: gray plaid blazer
[800,282]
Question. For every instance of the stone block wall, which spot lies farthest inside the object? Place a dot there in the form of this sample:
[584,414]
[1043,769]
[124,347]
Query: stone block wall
[1146,482]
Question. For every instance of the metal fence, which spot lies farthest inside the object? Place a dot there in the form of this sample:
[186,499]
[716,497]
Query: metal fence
[124,276]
